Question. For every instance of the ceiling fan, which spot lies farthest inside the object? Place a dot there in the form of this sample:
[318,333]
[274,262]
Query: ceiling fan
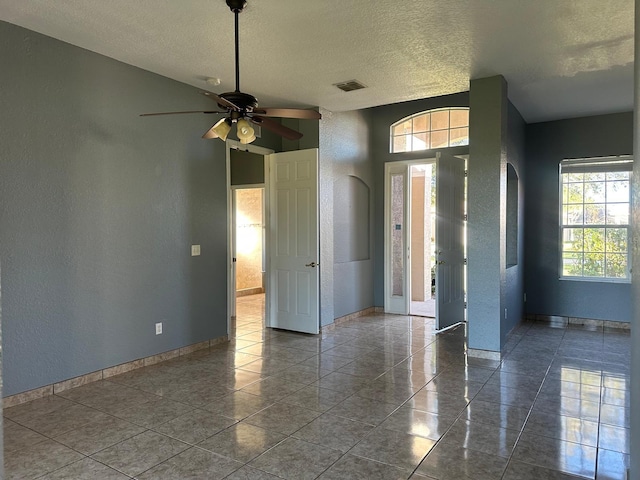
[242,108]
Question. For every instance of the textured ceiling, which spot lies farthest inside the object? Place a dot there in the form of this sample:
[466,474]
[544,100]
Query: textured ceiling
[561,58]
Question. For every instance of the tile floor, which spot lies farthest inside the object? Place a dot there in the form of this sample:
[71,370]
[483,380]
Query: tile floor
[379,397]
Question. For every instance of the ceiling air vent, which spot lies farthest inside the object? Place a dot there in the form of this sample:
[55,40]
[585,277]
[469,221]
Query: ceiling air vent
[350,85]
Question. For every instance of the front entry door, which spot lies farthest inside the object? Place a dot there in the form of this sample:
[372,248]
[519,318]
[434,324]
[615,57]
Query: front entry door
[449,240]
[294,246]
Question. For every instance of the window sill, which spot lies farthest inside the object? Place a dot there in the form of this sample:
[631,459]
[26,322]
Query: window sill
[596,279]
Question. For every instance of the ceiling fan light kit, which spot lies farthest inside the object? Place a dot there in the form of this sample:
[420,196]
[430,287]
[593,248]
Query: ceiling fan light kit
[220,130]
[250,139]
[242,108]
[244,130]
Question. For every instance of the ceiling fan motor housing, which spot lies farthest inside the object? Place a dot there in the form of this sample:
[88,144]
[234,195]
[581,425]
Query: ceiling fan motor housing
[245,102]
[236,6]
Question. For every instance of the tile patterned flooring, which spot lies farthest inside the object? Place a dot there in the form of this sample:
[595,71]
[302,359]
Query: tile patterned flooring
[379,397]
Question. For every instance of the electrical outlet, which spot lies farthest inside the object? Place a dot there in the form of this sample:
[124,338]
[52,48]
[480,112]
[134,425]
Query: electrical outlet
[505,313]
[158,328]
[195,250]
[525,297]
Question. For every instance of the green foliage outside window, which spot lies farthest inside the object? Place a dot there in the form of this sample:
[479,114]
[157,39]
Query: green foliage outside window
[595,224]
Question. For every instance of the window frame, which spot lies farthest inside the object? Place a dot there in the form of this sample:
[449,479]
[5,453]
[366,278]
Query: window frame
[430,130]
[594,165]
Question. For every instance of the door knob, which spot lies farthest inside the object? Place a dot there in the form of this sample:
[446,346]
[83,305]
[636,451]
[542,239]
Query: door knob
[312,264]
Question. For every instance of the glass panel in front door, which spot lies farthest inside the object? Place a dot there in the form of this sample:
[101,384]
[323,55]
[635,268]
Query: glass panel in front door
[397,235]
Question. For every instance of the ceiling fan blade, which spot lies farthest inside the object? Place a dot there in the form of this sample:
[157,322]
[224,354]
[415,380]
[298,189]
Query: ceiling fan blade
[180,113]
[220,100]
[289,113]
[277,128]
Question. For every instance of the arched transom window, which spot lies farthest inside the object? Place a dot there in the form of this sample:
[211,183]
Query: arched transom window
[439,128]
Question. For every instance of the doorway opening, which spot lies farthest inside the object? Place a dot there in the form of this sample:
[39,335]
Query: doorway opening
[247,186]
[249,246]
[425,238]
[249,225]
[287,232]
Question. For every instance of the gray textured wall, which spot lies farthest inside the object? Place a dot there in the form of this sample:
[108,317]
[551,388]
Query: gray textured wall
[310,130]
[246,168]
[547,144]
[486,226]
[352,220]
[514,295]
[381,120]
[98,209]
[345,287]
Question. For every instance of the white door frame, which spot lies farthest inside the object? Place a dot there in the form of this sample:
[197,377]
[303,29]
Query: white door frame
[403,306]
[388,166]
[231,271]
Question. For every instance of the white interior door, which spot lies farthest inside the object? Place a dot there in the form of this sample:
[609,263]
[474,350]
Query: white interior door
[396,278]
[294,246]
[449,240]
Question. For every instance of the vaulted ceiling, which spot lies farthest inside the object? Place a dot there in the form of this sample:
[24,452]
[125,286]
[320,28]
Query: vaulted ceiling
[561,59]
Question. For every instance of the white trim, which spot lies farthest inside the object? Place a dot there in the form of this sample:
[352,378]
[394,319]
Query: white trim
[400,166]
[231,291]
[248,186]
[599,164]
[596,279]
[399,305]
[236,145]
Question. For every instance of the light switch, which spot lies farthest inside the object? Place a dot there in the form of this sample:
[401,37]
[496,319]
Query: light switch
[195,250]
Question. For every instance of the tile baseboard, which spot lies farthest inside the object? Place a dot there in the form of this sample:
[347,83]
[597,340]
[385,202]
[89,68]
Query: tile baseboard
[589,323]
[346,318]
[485,354]
[29,395]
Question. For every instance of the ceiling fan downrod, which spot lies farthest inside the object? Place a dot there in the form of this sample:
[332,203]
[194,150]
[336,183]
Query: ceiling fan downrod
[236,7]
[242,108]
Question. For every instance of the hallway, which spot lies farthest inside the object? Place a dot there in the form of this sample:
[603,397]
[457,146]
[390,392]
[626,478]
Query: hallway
[378,397]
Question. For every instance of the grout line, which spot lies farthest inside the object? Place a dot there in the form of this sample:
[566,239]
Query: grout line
[526,420]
